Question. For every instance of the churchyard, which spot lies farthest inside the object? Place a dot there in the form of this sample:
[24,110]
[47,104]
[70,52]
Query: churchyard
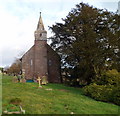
[52,99]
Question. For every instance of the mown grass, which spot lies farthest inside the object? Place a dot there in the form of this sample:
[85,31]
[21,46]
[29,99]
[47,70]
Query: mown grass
[61,100]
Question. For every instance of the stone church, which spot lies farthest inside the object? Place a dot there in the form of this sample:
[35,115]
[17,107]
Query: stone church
[41,60]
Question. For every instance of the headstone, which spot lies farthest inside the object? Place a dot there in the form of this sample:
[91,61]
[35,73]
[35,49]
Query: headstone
[15,79]
[44,80]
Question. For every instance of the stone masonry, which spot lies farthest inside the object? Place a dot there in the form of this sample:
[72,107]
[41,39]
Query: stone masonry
[41,60]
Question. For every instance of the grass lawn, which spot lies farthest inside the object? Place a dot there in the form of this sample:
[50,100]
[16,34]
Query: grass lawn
[60,100]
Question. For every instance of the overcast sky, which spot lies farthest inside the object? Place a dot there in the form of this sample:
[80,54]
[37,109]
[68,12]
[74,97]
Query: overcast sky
[19,18]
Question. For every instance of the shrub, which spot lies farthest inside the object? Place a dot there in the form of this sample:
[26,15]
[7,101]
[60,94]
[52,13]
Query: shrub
[116,95]
[113,77]
[99,92]
[107,90]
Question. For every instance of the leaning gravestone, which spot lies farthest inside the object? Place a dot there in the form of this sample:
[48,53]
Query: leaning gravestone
[15,79]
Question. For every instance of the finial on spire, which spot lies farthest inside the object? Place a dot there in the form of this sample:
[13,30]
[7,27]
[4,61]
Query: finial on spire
[40,14]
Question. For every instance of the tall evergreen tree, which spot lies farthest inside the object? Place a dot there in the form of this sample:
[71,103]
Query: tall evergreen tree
[86,41]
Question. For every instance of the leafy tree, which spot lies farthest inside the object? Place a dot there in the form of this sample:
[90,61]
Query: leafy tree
[87,41]
[15,68]
[1,69]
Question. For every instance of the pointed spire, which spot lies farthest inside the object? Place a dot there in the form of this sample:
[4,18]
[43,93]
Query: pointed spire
[40,23]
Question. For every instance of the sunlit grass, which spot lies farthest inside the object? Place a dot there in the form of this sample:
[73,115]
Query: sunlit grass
[60,100]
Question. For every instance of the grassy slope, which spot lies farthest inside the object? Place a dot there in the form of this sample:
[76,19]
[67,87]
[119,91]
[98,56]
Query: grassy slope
[41,101]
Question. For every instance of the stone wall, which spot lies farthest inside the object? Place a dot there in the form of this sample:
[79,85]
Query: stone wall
[28,63]
[54,70]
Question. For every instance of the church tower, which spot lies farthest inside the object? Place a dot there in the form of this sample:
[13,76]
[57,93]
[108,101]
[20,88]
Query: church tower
[40,33]
[40,54]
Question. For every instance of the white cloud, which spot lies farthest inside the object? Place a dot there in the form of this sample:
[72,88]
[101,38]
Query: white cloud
[16,36]
[18,21]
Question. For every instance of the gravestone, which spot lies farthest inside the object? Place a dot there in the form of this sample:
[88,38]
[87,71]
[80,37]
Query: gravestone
[44,80]
[15,79]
